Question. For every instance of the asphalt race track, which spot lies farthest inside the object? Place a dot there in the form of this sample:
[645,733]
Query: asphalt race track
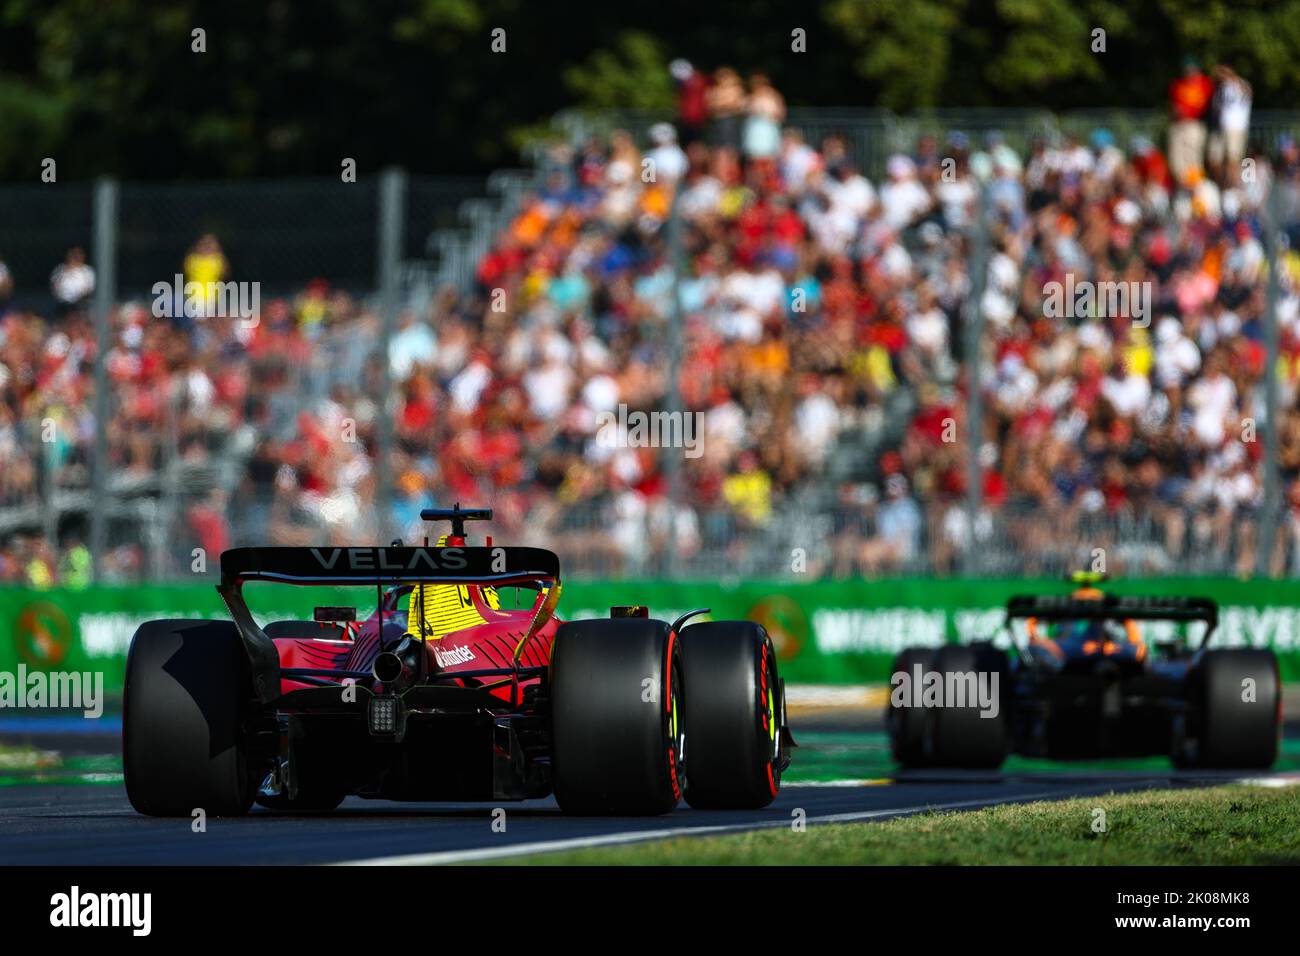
[91,823]
[75,825]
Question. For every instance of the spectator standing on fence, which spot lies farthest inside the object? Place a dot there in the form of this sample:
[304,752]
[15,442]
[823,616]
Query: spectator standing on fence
[206,265]
[692,100]
[726,99]
[73,281]
[766,113]
[1189,100]
[1230,109]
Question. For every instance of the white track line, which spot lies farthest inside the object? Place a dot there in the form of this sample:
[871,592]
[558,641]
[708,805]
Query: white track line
[854,782]
[640,836]
[1279,781]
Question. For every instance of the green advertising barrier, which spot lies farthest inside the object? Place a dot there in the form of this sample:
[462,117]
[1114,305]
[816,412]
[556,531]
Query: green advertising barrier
[830,632]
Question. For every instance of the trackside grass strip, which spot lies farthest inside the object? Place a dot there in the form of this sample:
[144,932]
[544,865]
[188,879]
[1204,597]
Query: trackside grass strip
[1237,824]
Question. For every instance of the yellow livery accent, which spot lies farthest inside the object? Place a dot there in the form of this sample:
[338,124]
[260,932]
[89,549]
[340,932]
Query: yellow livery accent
[446,607]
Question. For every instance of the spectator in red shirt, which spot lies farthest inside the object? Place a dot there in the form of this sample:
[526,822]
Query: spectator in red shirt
[207,519]
[1189,100]
[1149,165]
[692,100]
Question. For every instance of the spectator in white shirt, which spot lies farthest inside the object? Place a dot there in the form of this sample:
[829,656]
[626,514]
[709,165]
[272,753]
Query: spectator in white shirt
[72,281]
[1230,109]
[1211,399]
[797,160]
[903,199]
[1177,357]
[667,160]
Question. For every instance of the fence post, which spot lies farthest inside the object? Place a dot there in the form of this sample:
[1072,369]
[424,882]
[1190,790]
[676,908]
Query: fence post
[676,329]
[392,200]
[105,253]
[1268,516]
[974,329]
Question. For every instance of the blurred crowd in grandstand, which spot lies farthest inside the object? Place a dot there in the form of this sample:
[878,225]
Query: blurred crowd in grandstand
[824,321]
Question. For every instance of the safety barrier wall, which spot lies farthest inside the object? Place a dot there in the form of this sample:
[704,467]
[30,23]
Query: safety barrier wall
[827,632]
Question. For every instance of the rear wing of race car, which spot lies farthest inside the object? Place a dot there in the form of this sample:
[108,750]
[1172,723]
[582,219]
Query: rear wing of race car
[395,565]
[495,566]
[1115,607]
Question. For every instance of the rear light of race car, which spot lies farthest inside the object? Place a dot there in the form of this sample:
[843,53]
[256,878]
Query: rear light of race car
[385,716]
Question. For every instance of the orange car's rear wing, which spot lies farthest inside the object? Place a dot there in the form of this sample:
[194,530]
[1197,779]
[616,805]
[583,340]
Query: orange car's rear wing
[1115,607]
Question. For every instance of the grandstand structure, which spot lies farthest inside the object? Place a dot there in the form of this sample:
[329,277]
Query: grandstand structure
[856,324]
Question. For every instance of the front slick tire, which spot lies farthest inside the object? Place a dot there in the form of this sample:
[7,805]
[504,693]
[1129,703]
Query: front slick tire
[615,711]
[186,690]
[734,716]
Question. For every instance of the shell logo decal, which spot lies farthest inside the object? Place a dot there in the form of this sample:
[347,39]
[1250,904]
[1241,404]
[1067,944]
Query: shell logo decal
[42,634]
[785,620]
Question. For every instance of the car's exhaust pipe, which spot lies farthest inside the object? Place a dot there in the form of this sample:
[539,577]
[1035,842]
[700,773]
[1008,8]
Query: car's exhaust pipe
[399,668]
[388,668]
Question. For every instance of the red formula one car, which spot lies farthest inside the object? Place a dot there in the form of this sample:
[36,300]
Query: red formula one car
[442,694]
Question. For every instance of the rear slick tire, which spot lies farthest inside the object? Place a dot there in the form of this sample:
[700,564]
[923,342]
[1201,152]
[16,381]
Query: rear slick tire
[908,726]
[735,716]
[616,729]
[186,693]
[963,736]
[1232,732]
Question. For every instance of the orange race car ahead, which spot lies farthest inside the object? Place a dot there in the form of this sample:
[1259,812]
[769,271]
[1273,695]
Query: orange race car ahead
[1088,683]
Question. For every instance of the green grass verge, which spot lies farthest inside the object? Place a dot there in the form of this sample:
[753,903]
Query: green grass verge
[1230,825]
[22,765]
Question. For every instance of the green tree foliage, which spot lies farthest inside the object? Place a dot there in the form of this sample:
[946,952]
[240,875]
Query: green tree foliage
[932,53]
[289,87]
[634,75]
[904,47]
